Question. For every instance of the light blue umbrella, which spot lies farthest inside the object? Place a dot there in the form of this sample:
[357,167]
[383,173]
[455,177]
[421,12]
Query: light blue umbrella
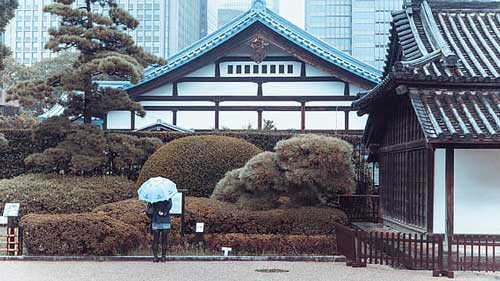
[157,189]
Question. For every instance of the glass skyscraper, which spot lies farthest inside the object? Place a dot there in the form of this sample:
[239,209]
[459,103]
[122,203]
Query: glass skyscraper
[357,27]
[230,9]
[166,26]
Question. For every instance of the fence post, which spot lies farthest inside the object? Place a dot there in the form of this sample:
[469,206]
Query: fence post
[450,273]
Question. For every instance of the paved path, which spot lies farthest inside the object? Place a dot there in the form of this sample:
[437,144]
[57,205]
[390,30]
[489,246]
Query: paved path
[208,271]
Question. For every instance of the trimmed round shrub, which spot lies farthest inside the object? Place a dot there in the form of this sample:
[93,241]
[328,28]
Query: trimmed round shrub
[78,234]
[198,163]
[56,194]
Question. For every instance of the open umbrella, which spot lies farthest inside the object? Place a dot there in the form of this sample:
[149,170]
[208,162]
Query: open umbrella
[156,190]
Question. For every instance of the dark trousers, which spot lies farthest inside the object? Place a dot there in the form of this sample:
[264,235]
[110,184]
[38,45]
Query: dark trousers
[156,239]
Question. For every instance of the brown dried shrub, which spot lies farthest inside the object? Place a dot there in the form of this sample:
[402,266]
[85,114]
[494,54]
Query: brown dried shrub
[78,234]
[198,163]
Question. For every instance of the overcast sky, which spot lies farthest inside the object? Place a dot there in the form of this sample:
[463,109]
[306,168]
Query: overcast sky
[293,10]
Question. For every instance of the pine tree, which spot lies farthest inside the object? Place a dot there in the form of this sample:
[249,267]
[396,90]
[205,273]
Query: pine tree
[7,12]
[104,48]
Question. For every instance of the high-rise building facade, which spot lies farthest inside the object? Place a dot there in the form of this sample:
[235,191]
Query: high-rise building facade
[227,10]
[166,26]
[357,27]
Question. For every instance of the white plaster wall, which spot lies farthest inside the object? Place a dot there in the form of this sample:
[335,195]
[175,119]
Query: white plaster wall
[152,117]
[207,71]
[199,120]
[357,122]
[477,191]
[118,120]
[165,90]
[238,120]
[283,120]
[324,120]
[313,71]
[439,223]
[354,90]
[303,88]
[217,89]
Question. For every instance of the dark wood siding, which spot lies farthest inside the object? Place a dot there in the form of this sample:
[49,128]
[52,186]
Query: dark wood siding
[404,176]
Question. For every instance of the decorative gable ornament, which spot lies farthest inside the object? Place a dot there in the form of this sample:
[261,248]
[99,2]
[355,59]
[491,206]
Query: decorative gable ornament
[259,4]
[259,47]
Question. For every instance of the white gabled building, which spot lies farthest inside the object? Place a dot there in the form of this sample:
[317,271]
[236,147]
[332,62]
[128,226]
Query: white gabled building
[259,66]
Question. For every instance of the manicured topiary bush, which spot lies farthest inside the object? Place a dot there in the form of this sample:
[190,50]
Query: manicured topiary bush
[55,194]
[78,234]
[304,171]
[197,163]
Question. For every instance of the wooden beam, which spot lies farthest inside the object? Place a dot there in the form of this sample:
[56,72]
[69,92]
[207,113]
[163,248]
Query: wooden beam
[175,89]
[347,90]
[450,192]
[268,58]
[346,116]
[217,69]
[217,115]
[132,120]
[248,108]
[174,117]
[409,146]
[259,120]
[303,117]
[245,98]
[105,122]
[303,72]
[251,79]
[260,91]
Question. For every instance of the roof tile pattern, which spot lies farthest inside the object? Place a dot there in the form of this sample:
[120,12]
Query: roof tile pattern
[433,35]
[458,116]
[277,24]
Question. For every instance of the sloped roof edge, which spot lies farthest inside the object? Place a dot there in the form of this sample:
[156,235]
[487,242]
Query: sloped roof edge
[275,23]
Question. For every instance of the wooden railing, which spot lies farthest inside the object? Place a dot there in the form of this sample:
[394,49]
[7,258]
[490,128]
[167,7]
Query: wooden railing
[473,253]
[359,208]
[11,242]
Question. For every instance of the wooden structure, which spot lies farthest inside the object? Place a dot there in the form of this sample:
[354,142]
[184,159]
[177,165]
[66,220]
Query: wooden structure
[11,243]
[257,67]
[434,120]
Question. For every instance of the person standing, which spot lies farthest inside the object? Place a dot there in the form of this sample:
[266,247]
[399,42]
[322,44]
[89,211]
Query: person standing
[160,226]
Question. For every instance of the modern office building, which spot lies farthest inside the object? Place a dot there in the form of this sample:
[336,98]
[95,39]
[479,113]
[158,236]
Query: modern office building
[357,27]
[230,9]
[166,26]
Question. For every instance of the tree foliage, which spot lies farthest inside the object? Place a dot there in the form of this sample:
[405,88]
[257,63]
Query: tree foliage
[104,49]
[85,149]
[302,171]
[7,12]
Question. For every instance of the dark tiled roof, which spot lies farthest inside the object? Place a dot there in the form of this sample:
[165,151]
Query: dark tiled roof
[440,41]
[458,116]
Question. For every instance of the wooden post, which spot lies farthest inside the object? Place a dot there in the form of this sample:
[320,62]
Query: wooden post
[216,115]
[217,69]
[259,120]
[132,120]
[105,122]
[303,70]
[175,89]
[302,117]
[347,90]
[260,91]
[174,117]
[346,120]
[449,183]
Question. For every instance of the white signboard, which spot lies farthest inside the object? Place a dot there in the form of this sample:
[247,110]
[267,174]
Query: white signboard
[3,220]
[176,204]
[200,227]
[11,209]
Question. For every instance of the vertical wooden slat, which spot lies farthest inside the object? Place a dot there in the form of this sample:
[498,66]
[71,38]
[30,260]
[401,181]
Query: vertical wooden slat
[399,248]
[427,252]
[371,247]
[393,249]
[433,252]
[471,254]
[404,248]
[494,254]
[386,241]
[421,251]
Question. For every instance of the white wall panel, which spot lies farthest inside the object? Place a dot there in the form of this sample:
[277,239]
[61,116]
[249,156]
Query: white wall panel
[200,120]
[152,117]
[357,122]
[477,191]
[118,120]
[303,88]
[325,120]
[207,71]
[238,120]
[165,90]
[439,223]
[354,90]
[217,89]
[313,71]
[283,120]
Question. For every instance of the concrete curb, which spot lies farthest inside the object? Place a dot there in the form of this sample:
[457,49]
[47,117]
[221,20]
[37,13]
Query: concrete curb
[174,258]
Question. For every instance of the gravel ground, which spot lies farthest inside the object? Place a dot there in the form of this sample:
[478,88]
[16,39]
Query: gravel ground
[208,271]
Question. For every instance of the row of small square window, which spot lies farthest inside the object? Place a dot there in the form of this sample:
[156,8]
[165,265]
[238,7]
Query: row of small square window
[259,69]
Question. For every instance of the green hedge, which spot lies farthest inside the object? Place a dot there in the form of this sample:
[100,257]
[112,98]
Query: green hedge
[21,144]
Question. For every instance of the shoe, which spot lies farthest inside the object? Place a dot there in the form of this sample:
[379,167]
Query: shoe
[155,259]
[163,259]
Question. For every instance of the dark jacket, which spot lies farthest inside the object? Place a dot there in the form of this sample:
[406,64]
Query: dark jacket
[164,208]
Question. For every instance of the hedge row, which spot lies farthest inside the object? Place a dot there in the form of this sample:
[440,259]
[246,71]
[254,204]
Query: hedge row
[21,144]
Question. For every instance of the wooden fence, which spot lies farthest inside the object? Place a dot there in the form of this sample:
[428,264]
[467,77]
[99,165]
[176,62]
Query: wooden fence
[473,253]
[12,241]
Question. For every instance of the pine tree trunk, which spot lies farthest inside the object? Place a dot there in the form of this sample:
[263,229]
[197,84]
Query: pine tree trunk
[87,110]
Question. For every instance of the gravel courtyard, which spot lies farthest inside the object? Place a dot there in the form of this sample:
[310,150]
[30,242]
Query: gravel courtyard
[207,271]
